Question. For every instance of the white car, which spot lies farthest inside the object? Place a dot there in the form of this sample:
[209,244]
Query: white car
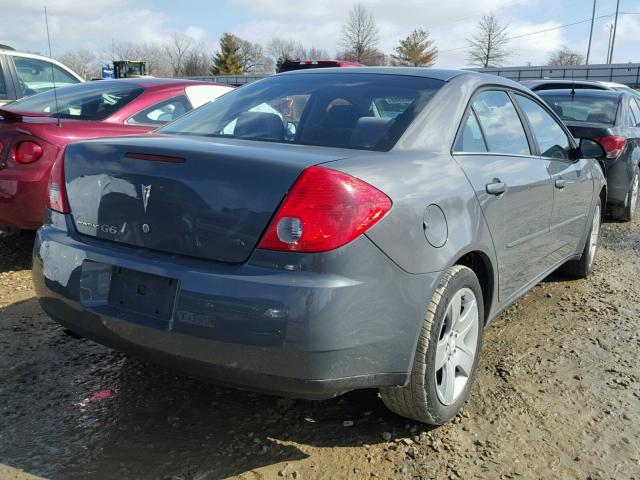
[25,74]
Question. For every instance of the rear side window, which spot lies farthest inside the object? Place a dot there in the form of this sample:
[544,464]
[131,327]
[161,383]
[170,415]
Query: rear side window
[349,110]
[552,140]
[161,113]
[85,101]
[635,111]
[501,124]
[36,76]
[470,138]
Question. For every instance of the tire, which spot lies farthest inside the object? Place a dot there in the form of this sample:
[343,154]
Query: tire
[582,268]
[427,397]
[626,212]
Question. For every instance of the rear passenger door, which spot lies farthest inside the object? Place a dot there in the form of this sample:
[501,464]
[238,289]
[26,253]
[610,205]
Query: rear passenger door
[512,185]
[572,180]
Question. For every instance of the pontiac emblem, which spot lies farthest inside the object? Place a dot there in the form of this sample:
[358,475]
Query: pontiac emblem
[146,193]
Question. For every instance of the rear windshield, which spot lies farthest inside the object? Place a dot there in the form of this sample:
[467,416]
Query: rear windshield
[583,106]
[84,101]
[350,110]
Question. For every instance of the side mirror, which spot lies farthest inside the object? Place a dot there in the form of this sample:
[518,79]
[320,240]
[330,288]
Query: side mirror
[591,149]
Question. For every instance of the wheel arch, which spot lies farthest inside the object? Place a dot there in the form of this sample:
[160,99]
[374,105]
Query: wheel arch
[603,199]
[480,263]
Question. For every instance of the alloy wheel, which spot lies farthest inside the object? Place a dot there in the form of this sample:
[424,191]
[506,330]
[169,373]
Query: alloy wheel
[457,346]
[634,195]
[593,237]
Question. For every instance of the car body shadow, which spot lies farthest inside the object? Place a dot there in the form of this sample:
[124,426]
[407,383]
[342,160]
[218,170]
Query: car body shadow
[15,251]
[73,408]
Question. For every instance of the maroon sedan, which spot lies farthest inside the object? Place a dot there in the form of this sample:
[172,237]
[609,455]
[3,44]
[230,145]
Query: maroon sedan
[35,130]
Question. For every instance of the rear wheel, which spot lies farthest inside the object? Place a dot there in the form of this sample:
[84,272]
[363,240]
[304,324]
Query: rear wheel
[447,354]
[627,212]
[583,267]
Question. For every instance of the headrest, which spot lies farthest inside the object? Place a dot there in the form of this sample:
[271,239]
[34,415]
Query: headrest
[368,131]
[260,125]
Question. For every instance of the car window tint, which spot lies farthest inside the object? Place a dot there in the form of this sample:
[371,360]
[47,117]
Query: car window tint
[161,113]
[592,106]
[552,140]
[502,127]
[350,110]
[37,76]
[470,138]
[635,111]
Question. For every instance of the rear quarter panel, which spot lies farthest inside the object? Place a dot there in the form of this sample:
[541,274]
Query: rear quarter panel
[413,182]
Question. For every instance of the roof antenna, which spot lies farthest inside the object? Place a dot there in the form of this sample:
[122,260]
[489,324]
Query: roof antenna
[573,85]
[53,75]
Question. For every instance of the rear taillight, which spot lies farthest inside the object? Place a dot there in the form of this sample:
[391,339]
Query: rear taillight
[613,144]
[27,152]
[324,209]
[1,147]
[57,190]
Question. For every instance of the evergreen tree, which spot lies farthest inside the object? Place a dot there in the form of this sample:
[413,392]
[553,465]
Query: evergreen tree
[227,61]
[417,50]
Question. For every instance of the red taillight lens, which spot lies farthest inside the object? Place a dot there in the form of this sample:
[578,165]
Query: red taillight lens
[57,190]
[324,209]
[27,152]
[614,145]
[1,147]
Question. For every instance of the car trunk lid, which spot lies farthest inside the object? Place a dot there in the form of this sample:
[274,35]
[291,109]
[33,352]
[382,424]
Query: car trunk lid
[201,197]
[588,130]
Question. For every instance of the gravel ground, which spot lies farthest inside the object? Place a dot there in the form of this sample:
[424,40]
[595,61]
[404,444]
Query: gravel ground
[557,396]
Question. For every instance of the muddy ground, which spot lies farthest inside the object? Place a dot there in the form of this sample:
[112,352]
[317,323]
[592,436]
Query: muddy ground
[558,396]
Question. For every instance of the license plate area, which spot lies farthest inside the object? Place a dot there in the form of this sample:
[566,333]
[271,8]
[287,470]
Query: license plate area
[128,295]
[142,293]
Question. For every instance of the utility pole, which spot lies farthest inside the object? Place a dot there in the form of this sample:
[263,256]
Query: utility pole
[615,27]
[593,16]
[609,44]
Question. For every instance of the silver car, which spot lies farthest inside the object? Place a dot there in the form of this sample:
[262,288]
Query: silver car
[323,231]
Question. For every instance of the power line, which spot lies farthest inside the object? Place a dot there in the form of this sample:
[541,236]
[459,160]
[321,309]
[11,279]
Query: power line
[547,29]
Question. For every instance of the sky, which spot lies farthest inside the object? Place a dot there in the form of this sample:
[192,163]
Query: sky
[94,24]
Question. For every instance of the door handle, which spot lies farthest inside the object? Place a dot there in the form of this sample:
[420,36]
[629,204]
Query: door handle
[561,183]
[496,188]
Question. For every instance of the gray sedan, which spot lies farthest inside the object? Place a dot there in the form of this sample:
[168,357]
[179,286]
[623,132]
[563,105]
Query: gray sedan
[322,231]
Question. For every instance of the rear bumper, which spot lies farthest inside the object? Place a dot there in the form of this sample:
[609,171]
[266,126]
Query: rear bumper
[308,326]
[619,173]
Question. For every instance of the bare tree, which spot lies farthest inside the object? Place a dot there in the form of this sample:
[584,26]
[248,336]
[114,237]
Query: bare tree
[417,50]
[156,56]
[196,63]
[253,58]
[360,33]
[372,57]
[178,49]
[84,62]
[281,50]
[565,56]
[488,46]
[314,53]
